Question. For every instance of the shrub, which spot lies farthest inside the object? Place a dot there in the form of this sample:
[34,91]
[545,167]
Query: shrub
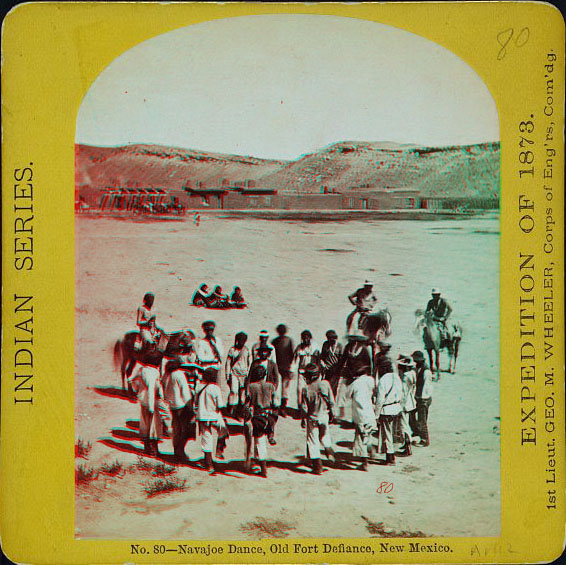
[85,474]
[163,486]
[82,448]
[112,469]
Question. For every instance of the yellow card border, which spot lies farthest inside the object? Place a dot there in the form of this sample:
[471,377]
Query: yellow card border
[52,52]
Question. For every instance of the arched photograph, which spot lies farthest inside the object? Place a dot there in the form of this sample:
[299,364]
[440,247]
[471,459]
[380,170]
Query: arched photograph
[287,287]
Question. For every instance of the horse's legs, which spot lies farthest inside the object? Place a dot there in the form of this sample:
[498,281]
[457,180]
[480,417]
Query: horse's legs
[429,351]
[437,355]
[456,345]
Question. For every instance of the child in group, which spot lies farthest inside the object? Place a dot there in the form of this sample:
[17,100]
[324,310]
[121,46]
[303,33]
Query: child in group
[209,404]
[408,404]
[237,368]
[260,404]
[317,403]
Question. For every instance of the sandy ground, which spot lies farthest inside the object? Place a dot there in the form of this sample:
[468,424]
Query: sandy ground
[300,274]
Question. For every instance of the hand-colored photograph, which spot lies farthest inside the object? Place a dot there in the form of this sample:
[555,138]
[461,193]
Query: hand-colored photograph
[287,287]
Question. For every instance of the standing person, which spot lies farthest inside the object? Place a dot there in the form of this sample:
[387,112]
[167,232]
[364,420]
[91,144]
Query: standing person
[263,337]
[408,404]
[146,384]
[423,396]
[364,301]
[238,364]
[210,350]
[387,408]
[362,391]
[260,402]
[356,354]
[179,397]
[189,359]
[306,352]
[317,404]
[330,357]
[146,320]
[272,376]
[284,349]
[209,404]
[382,360]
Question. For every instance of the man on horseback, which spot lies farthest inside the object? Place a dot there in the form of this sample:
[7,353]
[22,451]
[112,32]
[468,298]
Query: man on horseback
[364,300]
[146,321]
[440,310]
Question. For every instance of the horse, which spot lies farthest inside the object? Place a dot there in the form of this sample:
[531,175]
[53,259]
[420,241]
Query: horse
[434,342]
[129,350]
[374,326]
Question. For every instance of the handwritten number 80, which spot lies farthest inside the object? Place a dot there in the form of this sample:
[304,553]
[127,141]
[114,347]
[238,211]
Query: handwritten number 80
[504,38]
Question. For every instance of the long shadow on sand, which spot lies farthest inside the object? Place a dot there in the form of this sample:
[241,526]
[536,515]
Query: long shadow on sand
[114,392]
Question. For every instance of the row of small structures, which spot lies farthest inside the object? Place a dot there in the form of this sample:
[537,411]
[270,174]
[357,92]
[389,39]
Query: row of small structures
[243,196]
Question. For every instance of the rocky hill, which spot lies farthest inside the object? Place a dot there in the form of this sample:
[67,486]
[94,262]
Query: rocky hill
[470,170]
[460,171]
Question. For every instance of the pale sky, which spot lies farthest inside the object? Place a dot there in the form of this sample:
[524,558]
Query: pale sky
[279,86]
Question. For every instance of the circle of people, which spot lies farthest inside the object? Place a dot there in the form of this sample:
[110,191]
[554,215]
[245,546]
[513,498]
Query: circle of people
[387,399]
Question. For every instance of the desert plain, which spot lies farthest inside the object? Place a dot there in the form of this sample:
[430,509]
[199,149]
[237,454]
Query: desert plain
[299,273]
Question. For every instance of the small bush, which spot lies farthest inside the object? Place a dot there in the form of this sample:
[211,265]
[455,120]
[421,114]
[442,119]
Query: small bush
[85,474]
[82,449]
[112,469]
[377,529]
[156,469]
[266,528]
[163,486]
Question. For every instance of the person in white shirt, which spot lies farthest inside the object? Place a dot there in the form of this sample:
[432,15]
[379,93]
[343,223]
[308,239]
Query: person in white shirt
[361,391]
[263,336]
[387,408]
[423,396]
[179,397]
[209,403]
[146,384]
[306,352]
[210,351]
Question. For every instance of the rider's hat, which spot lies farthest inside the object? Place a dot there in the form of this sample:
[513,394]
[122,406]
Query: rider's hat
[418,356]
[436,291]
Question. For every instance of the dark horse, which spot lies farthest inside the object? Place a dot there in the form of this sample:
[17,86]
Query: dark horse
[128,351]
[376,326]
[434,341]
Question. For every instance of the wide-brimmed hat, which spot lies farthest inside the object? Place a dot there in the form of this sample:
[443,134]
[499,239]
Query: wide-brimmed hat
[263,333]
[435,291]
[367,282]
[312,370]
[418,356]
[404,361]
[384,345]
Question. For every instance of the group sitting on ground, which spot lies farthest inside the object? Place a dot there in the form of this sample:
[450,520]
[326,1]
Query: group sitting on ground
[387,400]
[217,299]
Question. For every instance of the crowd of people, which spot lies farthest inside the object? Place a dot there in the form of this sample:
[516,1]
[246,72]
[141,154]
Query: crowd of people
[388,399]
